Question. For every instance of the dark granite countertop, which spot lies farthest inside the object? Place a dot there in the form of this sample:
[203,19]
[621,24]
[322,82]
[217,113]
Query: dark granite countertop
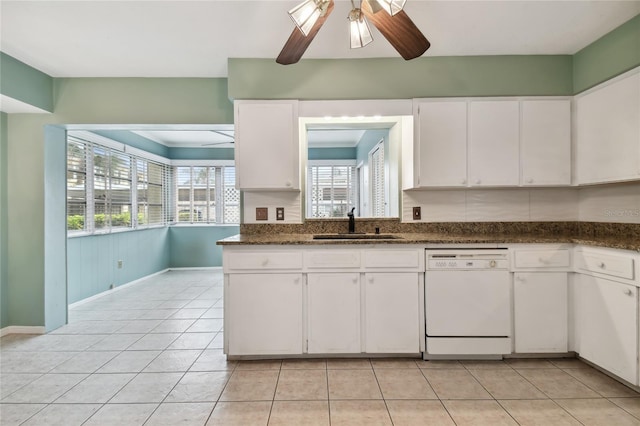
[629,243]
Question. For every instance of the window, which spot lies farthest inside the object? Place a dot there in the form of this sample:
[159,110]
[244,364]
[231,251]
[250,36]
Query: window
[332,190]
[108,189]
[206,194]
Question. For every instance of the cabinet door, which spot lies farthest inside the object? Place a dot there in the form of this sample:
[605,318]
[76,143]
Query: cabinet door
[608,132]
[494,135]
[546,142]
[333,309]
[392,313]
[609,326]
[267,145]
[442,143]
[540,312]
[265,314]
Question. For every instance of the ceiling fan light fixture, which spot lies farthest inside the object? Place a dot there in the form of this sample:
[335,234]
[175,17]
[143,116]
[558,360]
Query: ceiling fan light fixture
[306,14]
[359,31]
[392,6]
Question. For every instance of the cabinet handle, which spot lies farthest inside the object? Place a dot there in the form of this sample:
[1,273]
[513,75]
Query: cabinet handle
[288,183]
[628,292]
[371,280]
[478,181]
[543,261]
[463,181]
[602,265]
[355,280]
[519,278]
[265,262]
[296,280]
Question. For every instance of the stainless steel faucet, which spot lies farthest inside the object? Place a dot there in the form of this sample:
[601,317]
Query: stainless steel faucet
[352,221]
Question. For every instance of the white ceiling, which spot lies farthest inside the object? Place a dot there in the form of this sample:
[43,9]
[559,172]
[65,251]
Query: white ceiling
[90,38]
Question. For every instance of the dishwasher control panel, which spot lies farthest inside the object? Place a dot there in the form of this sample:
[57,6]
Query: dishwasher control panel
[467,260]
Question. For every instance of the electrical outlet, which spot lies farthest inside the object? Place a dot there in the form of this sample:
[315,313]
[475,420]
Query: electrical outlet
[279,213]
[262,213]
[120,263]
[416,213]
[110,286]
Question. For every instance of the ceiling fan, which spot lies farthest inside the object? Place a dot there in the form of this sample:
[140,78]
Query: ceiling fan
[387,16]
[231,137]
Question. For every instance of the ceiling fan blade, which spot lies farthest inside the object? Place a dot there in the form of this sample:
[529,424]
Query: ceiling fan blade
[297,43]
[398,29]
[221,132]
[218,143]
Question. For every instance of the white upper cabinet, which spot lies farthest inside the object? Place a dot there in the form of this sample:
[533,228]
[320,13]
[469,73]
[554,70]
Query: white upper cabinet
[267,151]
[608,131]
[441,151]
[545,131]
[494,133]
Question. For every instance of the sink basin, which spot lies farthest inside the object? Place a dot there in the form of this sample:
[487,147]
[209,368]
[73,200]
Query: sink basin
[356,236]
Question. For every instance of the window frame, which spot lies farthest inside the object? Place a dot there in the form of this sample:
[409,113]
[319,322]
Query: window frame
[355,190]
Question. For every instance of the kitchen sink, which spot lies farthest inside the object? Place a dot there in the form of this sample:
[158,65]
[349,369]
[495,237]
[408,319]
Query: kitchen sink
[356,236]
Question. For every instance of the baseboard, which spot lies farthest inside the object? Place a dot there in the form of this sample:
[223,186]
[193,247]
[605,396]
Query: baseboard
[197,268]
[21,329]
[120,287]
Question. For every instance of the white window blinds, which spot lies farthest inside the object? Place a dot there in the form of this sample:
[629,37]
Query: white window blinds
[206,194]
[332,190]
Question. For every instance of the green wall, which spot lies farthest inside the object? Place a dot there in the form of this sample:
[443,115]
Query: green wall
[395,78]
[331,153]
[4,282]
[195,246]
[24,83]
[200,153]
[612,54]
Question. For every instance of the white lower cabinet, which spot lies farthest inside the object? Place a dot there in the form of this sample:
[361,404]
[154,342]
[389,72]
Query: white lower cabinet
[392,313]
[608,325]
[333,312]
[264,314]
[540,312]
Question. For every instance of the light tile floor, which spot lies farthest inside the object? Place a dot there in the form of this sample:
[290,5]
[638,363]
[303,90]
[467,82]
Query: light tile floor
[152,354]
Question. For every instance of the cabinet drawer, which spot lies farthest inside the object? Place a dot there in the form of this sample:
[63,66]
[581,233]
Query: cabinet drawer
[393,258]
[608,264]
[542,259]
[263,260]
[332,259]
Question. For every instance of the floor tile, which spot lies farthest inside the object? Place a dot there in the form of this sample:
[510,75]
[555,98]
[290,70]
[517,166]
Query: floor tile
[173,326]
[173,361]
[540,412]
[592,412]
[412,412]
[147,387]
[185,414]
[45,389]
[213,313]
[121,414]
[116,342]
[630,405]
[217,342]
[507,384]
[185,313]
[296,413]
[353,384]
[393,363]
[359,413]
[302,385]
[568,363]
[63,415]
[33,362]
[159,313]
[97,388]
[206,326]
[349,363]
[404,384]
[259,365]
[192,341]
[518,363]
[199,387]
[240,414]
[11,382]
[478,413]
[15,414]
[152,342]
[139,326]
[304,364]
[557,384]
[213,360]
[482,364]
[253,385]
[440,364]
[86,362]
[129,362]
[601,383]
[455,384]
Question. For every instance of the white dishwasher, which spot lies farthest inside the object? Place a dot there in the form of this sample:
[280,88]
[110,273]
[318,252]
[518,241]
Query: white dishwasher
[467,302]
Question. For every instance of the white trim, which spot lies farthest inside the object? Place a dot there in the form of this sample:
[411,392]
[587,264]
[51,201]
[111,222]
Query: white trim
[146,155]
[21,329]
[120,287]
[331,163]
[196,163]
[197,268]
[606,83]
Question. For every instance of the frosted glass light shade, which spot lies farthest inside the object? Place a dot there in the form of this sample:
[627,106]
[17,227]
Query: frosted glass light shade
[306,14]
[392,6]
[359,30]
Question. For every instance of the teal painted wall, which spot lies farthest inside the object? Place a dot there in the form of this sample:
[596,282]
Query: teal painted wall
[195,246]
[129,138]
[4,282]
[24,83]
[368,141]
[611,55]
[200,153]
[92,261]
[395,78]
[332,153]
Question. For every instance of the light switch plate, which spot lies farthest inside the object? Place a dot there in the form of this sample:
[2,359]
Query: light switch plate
[416,213]
[279,213]
[262,213]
